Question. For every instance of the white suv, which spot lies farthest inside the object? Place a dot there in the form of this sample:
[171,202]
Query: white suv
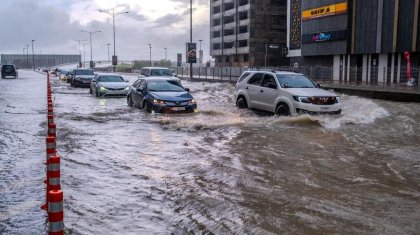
[284,93]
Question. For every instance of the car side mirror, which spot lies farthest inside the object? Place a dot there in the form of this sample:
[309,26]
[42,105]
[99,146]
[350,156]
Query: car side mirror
[187,89]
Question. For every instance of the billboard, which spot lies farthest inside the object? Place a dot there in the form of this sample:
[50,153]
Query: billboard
[330,10]
[191,53]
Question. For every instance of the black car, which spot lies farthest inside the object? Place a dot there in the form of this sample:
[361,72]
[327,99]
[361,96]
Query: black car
[8,70]
[82,77]
[160,95]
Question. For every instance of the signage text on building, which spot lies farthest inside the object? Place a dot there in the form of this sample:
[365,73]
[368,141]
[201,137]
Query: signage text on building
[330,10]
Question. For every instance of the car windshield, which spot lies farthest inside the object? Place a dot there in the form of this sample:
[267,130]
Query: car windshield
[84,72]
[161,72]
[165,85]
[109,78]
[294,81]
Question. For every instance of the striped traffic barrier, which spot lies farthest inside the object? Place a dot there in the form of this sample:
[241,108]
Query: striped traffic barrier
[51,151]
[55,212]
[50,111]
[54,173]
[50,119]
[52,130]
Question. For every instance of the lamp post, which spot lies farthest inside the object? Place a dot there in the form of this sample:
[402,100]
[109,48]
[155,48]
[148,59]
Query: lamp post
[80,48]
[33,55]
[150,54]
[191,38]
[113,14]
[84,54]
[90,38]
[200,53]
[23,60]
[27,55]
[108,44]
[166,53]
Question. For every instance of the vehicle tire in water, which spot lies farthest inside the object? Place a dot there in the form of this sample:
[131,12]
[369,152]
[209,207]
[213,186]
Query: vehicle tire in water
[129,101]
[241,103]
[146,107]
[282,110]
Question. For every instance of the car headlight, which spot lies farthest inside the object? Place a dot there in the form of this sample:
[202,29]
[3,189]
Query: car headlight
[127,88]
[337,99]
[192,101]
[158,101]
[303,99]
[102,88]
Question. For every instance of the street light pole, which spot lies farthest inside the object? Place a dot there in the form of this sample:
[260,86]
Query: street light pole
[33,55]
[166,53]
[80,48]
[150,54]
[27,55]
[200,53]
[191,38]
[91,51]
[113,14]
[108,51]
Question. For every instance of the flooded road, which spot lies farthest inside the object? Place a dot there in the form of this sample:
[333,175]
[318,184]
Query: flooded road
[219,171]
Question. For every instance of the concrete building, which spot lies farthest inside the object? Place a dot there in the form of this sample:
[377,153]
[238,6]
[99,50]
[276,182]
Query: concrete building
[248,32]
[361,40]
[26,61]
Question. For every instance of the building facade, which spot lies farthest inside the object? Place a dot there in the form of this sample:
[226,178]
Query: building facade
[27,61]
[361,40]
[248,32]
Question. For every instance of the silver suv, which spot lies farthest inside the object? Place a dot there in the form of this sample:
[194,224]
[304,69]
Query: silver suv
[284,93]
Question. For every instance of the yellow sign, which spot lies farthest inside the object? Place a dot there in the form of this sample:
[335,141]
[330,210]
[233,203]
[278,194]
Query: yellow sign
[335,9]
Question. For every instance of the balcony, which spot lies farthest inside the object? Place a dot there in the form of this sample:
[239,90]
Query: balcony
[243,36]
[243,50]
[229,38]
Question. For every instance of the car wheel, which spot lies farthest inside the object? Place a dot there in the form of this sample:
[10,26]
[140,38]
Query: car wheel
[241,103]
[129,101]
[146,107]
[282,110]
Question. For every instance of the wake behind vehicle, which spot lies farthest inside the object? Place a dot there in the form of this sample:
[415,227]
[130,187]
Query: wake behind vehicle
[106,85]
[8,70]
[284,93]
[160,95]
[82,78]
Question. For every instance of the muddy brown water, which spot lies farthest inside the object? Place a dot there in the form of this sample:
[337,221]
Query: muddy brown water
[219,171]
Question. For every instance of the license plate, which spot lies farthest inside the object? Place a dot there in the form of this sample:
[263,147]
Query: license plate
[325,108]
[178,108]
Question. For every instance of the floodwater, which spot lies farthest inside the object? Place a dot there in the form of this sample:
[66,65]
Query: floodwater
[219,171]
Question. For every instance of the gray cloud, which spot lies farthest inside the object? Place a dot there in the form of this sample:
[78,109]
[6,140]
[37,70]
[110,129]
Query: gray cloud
[49,23]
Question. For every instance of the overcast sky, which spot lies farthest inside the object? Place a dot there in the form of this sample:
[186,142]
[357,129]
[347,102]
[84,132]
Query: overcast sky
[54,23]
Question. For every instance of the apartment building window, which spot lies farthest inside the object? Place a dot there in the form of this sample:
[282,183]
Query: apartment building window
[229,19]
[242,43]
[243,15]
[243,2]
[229,6]
[278,2]
[228,45]
[216,46]
[243,29]
[216,10]
[216,34]
[216,22]
[228,32]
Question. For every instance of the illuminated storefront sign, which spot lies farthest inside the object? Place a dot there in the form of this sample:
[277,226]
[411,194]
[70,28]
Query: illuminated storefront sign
[330,10]
[325,36]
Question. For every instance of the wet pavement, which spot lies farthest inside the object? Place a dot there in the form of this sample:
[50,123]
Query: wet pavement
[219,171]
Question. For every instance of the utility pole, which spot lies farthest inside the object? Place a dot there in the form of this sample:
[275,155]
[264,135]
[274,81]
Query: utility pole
[108,52]
[33,55]
[191,38]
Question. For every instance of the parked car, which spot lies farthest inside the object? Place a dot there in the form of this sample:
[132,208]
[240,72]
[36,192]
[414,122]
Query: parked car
[8,70]
[108,85]
[157,72]
[160,95]
[284,93]
[82,77]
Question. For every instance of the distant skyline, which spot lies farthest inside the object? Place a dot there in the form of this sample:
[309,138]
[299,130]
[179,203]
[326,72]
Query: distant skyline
[54,23]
